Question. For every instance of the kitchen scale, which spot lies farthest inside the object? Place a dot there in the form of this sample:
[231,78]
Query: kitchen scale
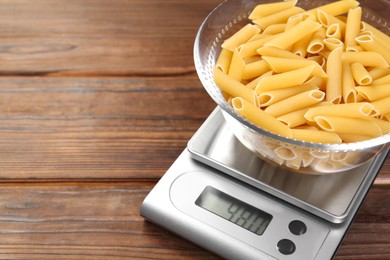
[224,198]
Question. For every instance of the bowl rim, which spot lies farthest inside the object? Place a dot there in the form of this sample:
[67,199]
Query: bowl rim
[361,145]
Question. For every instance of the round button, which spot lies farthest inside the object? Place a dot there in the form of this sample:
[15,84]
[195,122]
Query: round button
[297,227]
[286,247]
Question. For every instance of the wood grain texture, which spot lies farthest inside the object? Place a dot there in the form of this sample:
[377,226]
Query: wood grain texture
[97,100]
[61,128]
[99,37]
[101,220]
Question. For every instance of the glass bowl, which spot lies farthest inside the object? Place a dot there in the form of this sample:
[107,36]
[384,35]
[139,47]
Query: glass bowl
[301,157]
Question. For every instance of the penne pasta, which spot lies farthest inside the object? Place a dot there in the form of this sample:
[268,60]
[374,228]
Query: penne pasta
[351,138]
[360,74]
[255,69]
[285,153]
[353,26]
[333,43]
[259,117]
[296,102]
[334,71]
[277,52]
[253,83]
[328,20]
[237,66]
[317,42]
[377,34]
[240,37]
[250,48]
[336,8]
[275,29]
[314,76]
[382,105]
[383,124]
[350,110]
[270,97]
[280,65]
[355,48]
[366,58]
[224,59]
[347,125]
[333,31]
[370,44]
[374,92]
[300,47]
[316,136]
[377,73]
[296,118]
[299,31]
[263,10]
[382,81]
[279,17]
[292,21]
[233,87]
[348,88]
[286,79]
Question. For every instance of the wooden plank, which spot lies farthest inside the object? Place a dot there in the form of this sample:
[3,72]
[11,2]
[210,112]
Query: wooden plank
[71,37]
[101,220]
[85,128]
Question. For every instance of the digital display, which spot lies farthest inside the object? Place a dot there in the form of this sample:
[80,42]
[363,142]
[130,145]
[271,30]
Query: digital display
[234,210]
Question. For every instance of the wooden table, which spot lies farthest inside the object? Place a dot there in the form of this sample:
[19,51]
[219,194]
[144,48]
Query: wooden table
[97,100]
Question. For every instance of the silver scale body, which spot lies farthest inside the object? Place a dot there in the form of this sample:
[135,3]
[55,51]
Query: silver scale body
[326,205]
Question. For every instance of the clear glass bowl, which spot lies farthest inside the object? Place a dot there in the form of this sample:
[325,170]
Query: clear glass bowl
[299,156]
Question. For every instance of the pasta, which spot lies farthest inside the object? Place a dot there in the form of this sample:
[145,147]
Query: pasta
[233,87]
[280,65]
[334,69]
[263,10]
[237,66]
[370,44]
[316,136]
[348,125]
[243,35]
[315,76]
[348,89]
[279,17]
[374,92]
[299,31]
[286,79]
[366,58]
[336,8]
[360,74]
[296,102]
[255,69]
[352,110]
[353,26]
[259,117]
[333,31]
[224,60]
[270,97]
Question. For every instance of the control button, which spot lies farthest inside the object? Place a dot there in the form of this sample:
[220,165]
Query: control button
[286,247]
[297,227]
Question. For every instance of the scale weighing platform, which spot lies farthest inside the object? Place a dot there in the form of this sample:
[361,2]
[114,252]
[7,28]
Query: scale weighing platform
[224,198]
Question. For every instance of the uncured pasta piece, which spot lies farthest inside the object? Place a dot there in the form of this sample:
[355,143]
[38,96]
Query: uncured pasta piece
[243,35]
[296,102]
[348,125]
[263,10]
[260,118]
[334,70]
[351,110]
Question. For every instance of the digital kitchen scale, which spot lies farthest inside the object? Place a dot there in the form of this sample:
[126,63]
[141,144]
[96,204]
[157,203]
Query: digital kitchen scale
[224,198]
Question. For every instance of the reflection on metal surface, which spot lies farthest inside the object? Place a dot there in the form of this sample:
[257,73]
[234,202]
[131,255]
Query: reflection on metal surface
[329,196]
